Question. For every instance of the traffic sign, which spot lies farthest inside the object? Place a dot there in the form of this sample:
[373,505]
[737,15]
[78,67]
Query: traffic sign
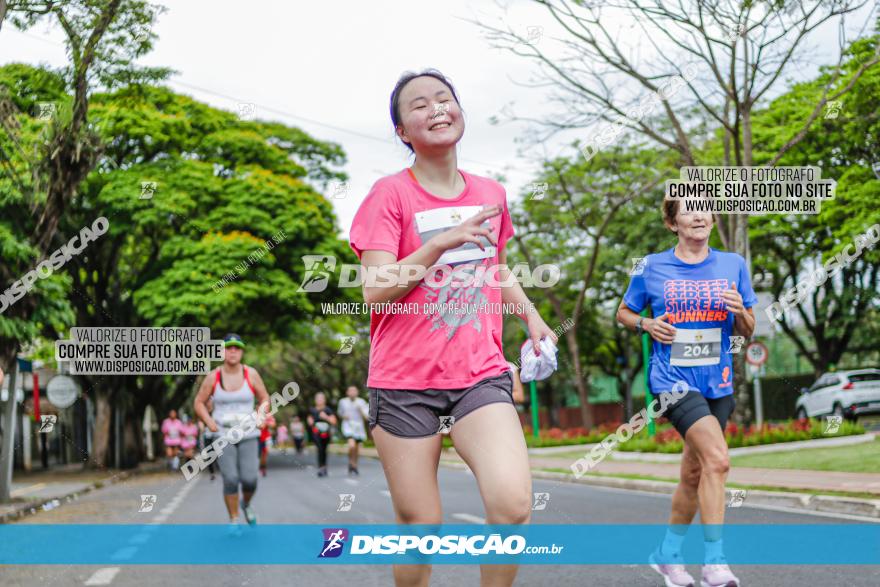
[62,391]
[757,353]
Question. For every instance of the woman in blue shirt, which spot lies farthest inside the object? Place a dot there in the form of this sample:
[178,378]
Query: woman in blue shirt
[699,297]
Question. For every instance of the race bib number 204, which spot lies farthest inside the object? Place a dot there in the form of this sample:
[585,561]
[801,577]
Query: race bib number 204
[696,347]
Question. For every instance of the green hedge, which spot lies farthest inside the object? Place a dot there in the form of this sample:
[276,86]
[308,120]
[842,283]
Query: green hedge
[779,394]
[669,441]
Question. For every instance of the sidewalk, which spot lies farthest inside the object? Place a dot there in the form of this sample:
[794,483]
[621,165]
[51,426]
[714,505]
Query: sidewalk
[777,478]
[46,490]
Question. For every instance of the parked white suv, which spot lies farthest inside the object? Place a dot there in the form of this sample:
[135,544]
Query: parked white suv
[842,393]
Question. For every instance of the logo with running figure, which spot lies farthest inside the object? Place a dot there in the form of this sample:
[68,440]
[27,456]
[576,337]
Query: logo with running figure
[639,264]
[737,498]
[334,542]
[338,190]
[346,500]
[446,423]
[46,110]
[347,345]
[319,268]
[832,109]
[541,501]
[736,343]
[147,503]
[47,422]
[538,190]
[832,424]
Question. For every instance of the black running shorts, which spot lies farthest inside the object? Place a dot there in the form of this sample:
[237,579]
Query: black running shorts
[693,406]
[416,413]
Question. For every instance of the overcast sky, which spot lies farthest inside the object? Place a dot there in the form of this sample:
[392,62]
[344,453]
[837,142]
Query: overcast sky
[328,67]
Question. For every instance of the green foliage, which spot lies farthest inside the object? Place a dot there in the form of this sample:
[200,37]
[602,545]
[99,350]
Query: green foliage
[594,218]
[126,35]
[787,248]
[21,135]
[218,243]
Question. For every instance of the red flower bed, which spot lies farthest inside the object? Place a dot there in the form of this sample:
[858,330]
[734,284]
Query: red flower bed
[667,439]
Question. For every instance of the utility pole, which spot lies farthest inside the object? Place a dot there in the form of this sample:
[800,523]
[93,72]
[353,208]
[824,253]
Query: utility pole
[8,440]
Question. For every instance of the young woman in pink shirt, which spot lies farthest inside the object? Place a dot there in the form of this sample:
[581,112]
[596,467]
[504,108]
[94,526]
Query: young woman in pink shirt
[171,436]
[436,361]
[190,432]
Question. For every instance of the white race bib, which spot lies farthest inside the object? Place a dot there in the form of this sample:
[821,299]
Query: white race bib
[232,419]
[696,347]
[432,222]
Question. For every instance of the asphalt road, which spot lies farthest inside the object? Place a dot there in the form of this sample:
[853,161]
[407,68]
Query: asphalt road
[292,493]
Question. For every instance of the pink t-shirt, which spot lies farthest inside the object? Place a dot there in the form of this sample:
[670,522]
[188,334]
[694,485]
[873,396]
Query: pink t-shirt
[190,433]
[172,430]
[446,344]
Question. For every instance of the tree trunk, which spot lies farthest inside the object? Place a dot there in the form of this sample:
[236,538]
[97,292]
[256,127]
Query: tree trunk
[103,420]
[740,232]
[583,394]
[132,441]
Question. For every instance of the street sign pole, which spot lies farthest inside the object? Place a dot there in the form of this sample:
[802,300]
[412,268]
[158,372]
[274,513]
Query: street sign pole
[759,405]
[756,355]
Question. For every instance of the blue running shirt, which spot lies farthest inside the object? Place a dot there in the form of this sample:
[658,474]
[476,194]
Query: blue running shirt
[690,294]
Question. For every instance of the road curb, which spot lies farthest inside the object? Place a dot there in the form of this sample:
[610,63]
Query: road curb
[33,506]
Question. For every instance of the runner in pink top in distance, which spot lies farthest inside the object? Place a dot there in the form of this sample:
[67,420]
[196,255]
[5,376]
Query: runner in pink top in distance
[189,431]
[171,431]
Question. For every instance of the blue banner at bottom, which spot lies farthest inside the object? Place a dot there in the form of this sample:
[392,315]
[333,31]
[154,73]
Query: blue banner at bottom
[544,544]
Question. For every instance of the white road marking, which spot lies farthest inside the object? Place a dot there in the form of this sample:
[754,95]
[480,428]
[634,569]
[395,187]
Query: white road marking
[129,551]
[102,576]
[469,518]
[386,493]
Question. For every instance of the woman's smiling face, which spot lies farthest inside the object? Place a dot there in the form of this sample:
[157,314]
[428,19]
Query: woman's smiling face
[430,118]
[695,226]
